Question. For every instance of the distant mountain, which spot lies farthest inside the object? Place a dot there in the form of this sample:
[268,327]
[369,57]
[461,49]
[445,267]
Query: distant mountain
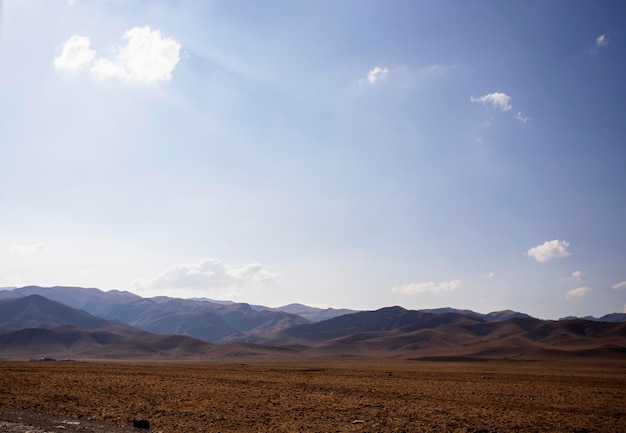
[449,335]
[201,319]
[35,311]
[94,301]
[613,317]
[34,326]
[123,320]
[506,315]
[390,319]
[451,310]
[163,315]
[495,315]
[214,301]
[311,313]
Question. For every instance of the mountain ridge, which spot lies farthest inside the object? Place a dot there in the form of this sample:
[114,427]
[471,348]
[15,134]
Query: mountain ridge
[50,330]
[389,331]
[100,300]
[34,311]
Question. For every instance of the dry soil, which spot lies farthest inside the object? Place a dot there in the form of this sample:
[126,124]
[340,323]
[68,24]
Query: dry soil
[331,397]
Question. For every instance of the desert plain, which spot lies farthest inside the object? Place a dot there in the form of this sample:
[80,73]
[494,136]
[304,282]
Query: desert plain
[327,396]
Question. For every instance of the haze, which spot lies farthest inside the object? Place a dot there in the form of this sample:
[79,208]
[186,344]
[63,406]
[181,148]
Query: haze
[352,154]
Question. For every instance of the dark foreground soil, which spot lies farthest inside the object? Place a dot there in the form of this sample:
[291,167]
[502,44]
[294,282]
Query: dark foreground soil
[335,397]
[14,420]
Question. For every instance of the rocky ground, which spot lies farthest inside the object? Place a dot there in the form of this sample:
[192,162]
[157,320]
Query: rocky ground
[13,420]
[476,397]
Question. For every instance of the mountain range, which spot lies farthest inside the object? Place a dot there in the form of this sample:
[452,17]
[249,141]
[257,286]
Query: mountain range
[79,322]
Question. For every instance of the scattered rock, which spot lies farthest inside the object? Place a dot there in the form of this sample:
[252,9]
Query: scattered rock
[141,423]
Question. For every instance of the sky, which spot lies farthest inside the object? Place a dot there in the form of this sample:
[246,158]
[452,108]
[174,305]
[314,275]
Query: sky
[357,154]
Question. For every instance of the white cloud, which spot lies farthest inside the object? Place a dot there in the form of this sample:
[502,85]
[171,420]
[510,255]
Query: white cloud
[498,100]
[71,2]
[147,56]
[29,248]
[491,275]
[374,75]
[577,275]
[580,291]
[406,78]
[618,286]
[602,40]
[207,277]
[522,117]
[76,54]
[549,250]
[427,287]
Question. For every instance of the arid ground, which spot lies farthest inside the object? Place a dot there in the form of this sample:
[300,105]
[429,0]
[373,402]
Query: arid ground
[571,396]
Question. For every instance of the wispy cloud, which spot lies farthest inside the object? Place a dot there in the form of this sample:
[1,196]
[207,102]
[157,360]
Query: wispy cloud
[427,287]
[549,250]
[522,117]
[578,292]
[374,75]
[147,56]
[577,275]
[498,100]
[28,248]
[619,286]
[599,43]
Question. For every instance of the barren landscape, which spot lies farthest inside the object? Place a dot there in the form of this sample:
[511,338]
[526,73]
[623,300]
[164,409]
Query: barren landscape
[338,395]
[389,370]
[312,216]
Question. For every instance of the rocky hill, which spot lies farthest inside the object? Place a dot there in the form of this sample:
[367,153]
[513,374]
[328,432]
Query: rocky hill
[130,326]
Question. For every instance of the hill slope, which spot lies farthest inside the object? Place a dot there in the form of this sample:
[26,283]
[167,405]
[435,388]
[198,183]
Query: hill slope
[35,311]
[29,322]
[36,326]
[395,330]
[202,319]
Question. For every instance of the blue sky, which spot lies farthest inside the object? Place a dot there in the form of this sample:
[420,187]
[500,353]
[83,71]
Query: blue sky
[350,154]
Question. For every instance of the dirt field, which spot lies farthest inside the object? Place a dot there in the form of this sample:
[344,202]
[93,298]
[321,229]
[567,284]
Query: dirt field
[340,397]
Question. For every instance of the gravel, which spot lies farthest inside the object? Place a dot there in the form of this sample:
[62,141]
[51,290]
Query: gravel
[14,420]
